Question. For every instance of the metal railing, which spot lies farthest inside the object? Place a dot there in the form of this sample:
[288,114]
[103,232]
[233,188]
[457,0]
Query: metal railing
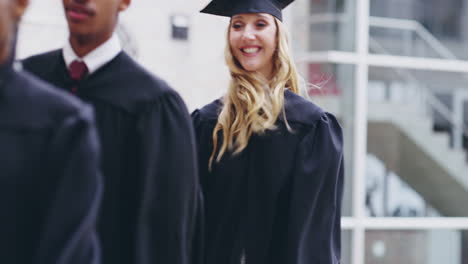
[413,25]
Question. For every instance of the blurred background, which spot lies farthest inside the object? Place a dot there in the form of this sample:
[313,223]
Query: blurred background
[395,73]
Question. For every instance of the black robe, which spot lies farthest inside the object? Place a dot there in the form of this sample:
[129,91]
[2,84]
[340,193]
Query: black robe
[279,200]
[50,186]
[149,159]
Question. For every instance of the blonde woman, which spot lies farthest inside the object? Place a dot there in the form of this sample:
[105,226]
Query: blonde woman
[271,162]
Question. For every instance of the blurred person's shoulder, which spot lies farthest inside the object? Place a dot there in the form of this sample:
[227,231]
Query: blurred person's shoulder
[42,65]
[31,103]
[128,84]
[145,83]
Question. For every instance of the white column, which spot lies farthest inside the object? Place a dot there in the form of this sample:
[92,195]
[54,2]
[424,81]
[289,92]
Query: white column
[459,97]
[360,128]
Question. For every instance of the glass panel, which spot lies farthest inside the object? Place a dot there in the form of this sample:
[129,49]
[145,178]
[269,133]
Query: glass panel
[330,25]
[331,87]
[421,28]
[411,147]
[331,35]
[416,246]
[346,245]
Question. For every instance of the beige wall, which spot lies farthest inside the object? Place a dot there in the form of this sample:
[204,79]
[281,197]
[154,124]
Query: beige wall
[195,67]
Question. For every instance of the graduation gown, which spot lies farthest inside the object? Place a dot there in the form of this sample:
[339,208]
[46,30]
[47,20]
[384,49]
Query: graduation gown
[50,187]
[279,200]
[149,162]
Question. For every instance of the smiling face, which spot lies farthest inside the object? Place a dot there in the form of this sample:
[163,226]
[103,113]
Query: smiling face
[93,19]
[252,38]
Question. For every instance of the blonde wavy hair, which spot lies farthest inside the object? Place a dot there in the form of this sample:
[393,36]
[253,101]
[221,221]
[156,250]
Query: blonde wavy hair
[252,104]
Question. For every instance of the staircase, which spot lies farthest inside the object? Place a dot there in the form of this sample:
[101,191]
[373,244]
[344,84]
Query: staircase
[407,145]
[402,135]
[403,139]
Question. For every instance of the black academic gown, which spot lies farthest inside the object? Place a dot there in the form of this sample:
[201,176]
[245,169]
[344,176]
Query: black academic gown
[279,200]
[50,187]
[149,159]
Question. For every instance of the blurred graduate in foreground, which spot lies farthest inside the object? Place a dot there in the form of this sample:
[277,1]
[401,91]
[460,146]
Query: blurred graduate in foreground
[50,187]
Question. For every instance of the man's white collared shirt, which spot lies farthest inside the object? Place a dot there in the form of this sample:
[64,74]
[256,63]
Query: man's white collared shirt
[96,58]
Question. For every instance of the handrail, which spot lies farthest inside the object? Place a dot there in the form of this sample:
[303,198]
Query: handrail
[436,44]
[413,25]
[395,23]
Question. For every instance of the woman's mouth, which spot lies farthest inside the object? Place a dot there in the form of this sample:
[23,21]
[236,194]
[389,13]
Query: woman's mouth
[250,51]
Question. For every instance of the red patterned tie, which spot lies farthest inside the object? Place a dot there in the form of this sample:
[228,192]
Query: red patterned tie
[78,71]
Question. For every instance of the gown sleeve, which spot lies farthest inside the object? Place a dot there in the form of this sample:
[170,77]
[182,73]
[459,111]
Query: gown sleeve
[203,133]
[204,144]
[170,201]
[315,205]
[69,234]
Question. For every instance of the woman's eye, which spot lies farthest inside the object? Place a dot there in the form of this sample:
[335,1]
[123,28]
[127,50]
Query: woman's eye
[236,26]
[261,24]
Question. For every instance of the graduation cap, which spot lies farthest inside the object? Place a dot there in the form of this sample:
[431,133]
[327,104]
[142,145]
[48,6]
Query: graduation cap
[230,8]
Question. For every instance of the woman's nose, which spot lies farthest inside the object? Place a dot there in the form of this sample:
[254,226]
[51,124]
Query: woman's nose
[248,33]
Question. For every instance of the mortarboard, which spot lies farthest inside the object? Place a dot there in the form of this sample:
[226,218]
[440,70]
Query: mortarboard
[230,8]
